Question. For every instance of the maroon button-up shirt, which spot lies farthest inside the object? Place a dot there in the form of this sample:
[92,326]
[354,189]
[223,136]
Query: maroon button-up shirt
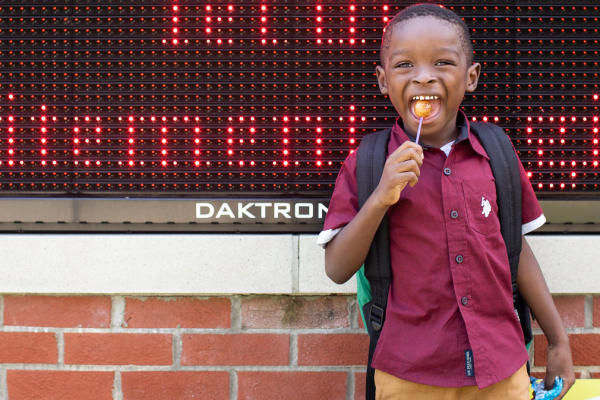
[451,288]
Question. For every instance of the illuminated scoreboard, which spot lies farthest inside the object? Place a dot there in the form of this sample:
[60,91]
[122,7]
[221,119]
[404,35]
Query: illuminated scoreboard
[266,99]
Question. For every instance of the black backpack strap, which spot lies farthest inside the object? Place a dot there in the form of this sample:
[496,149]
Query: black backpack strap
[505,167]
[369,168]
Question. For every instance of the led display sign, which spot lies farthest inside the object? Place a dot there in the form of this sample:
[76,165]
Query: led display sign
[265,98]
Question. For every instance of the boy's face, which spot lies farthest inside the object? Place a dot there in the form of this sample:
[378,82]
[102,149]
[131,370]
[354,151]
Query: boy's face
[426,58]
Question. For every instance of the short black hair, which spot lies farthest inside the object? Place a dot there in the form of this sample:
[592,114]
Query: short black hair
[428,10]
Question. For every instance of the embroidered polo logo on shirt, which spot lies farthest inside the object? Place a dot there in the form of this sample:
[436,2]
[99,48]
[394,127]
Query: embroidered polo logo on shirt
[486,206]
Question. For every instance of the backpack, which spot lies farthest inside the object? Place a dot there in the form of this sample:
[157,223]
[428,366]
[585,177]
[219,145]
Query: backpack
[373,279]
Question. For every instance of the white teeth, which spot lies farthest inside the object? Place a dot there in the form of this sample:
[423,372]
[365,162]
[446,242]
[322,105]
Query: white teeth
[425,98]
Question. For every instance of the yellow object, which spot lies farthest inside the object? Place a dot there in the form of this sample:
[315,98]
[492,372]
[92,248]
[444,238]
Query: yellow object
[422,108]
[390,387]
[584,389]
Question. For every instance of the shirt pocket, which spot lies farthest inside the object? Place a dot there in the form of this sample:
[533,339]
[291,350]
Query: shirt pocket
[481,207]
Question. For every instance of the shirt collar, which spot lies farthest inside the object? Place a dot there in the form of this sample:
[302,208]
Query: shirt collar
[462,123]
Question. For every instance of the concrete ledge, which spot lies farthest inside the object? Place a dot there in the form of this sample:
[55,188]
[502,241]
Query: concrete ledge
[312,276]
[147,264]
[570,263]
[196,264]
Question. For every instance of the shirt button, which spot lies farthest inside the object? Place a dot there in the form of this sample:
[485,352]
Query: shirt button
[464,301]
[454,214]
[459,259]
[447,171]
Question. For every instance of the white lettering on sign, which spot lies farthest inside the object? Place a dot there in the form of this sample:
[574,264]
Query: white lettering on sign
[309,214]
[263,207]
[199,206]
[243,210]
[322,209]
[225,210]
[283,209]
[246,211]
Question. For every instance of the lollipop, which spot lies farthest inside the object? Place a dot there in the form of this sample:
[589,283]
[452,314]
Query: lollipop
[422,108]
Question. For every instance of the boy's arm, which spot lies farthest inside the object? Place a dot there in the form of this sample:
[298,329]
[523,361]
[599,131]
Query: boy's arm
[533,289]
[347,251]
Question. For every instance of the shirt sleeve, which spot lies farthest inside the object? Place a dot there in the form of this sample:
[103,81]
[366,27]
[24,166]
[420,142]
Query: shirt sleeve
[532,214]
[343,206]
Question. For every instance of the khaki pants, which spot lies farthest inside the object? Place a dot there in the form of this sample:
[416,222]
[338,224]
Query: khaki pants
[515,387]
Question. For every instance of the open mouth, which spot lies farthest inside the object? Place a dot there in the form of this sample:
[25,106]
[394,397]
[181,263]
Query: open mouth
[436,107]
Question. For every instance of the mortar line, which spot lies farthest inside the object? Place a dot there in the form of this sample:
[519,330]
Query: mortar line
[117,312]
[60,343]
[350,386]
[177,349]
[295,264]
[117,389]
[236,314]
[3,384]
[352,312]
[1,310]
[167,368]
[589,311]
[233,384]
[293,350]
[219,331]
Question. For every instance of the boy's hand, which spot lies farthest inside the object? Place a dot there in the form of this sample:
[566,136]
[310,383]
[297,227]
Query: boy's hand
[402,167]
[560,364]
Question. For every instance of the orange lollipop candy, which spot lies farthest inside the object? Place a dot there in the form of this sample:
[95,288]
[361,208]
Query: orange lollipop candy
[422,108]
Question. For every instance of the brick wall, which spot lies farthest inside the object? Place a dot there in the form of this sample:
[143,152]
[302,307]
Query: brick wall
[237,347]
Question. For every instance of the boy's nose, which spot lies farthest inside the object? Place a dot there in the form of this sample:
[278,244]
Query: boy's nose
[423,76]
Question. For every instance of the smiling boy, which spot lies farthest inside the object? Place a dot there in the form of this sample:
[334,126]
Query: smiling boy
[450,329]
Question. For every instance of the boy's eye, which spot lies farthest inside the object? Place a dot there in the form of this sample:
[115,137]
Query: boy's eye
[443,63]
[404,65]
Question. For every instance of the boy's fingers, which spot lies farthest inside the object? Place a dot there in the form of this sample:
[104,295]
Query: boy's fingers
[408,165]
[566,386]
[404,155]
[413,181]
[408,145]
[408,176]
[549,381]
[567,383]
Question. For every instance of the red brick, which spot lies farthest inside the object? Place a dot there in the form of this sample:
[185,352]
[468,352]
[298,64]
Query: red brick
[241,349]
[596,310]
[291,385]
[179,385]
[290,312]
[361,323]
[58,312]
[28,347]
[333,349]
[171,312]
[571,310]
[118,349]
[595,375]
[585,349]
[360,383]
[59,385]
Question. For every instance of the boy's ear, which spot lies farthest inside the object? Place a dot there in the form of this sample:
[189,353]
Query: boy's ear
[473,77]
[381,79]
